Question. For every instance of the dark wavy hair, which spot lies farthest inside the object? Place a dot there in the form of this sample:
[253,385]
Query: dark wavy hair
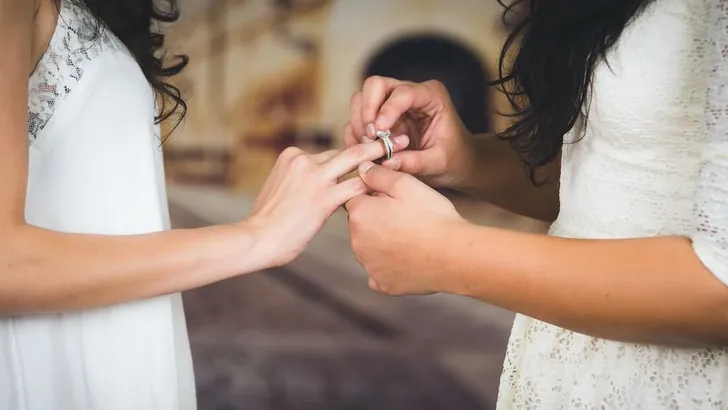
[547,64]
[137,24]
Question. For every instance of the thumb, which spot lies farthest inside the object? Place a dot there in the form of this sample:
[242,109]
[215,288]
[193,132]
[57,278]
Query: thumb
[415,162]
[383,180]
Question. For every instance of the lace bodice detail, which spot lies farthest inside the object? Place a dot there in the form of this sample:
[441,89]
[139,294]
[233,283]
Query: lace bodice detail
[77,40]
[653,161]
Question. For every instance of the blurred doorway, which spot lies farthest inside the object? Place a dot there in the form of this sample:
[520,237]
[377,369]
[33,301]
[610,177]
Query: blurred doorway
[427,57]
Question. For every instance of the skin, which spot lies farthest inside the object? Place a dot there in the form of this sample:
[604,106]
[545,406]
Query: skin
[444,154]
[48,271]
[650,290]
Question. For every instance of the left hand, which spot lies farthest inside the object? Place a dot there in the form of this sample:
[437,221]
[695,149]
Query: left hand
[396,232]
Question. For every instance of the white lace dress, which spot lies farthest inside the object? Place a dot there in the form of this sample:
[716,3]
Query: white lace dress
[95,167]
[651,163]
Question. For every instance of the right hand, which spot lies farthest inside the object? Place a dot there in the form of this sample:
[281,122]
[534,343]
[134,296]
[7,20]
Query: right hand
[441,147]
[302,191]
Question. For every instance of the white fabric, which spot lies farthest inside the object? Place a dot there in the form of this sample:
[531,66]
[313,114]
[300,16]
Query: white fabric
[95,167]
[651,163]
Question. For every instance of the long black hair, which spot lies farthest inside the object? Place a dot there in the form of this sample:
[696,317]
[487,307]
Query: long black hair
[546,67]
[137,24]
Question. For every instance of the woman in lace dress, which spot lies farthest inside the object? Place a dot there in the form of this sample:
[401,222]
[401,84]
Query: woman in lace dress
[90,317]
[624,305]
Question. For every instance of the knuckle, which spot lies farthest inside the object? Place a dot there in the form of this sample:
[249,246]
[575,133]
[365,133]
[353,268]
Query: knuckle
[355,98]
[301,163]
[356,152]
[354,219]
[355,247]
[290,152]
[373,81]
[436,86]
[358,187]
[373,285]
[384,288]
[404,89]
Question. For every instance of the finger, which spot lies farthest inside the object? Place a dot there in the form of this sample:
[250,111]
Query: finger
[350,137]
[405,97]
[349,159]
[356,202]
[421,163]
[275,174]
[342,192]
[322,157]
[373,285]
[374,92]
[357,124]
[289,153]
[386,181]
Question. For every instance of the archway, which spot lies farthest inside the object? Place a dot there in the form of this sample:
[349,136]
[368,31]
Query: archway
[432,57]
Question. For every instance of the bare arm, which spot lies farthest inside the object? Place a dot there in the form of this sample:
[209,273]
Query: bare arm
[637,290]
[497,175]
[43,270]
[669,290]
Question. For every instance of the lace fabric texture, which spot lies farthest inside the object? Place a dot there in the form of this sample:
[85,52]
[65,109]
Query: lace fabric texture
[653,161]
[77,40]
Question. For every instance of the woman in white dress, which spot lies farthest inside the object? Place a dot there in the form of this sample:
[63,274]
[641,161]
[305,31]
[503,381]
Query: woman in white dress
[624,305]
[90,318]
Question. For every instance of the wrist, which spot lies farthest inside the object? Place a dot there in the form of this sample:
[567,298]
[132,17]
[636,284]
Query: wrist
[447,277]
[465,173]
[259,242]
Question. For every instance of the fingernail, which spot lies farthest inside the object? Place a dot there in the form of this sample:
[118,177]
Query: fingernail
[365,167]
[371,130]
[380,120]
[366,139]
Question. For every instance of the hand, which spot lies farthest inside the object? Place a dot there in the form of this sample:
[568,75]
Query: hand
[302,192]
[395,233]
[442,154]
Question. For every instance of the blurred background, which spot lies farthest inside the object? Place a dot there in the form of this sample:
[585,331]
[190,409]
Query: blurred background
[266,74]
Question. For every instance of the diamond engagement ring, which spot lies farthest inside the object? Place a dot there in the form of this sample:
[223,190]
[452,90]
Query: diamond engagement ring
[388,145]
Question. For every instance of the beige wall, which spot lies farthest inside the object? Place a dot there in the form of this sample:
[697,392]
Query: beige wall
[257,86]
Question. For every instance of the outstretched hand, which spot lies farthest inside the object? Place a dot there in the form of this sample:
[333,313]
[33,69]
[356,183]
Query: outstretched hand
[302,191]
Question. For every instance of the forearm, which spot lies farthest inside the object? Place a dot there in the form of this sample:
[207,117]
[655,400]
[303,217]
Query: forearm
[634,290]
[497,175]
[42,270]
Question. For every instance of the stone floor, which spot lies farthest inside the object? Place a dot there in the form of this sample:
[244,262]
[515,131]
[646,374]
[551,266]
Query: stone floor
[314,338]
[258,344]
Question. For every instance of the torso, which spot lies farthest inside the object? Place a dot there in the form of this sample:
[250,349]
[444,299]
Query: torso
[95,167]
[633,174]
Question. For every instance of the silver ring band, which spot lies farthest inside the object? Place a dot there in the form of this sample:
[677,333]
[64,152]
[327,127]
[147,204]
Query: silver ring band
[388,145]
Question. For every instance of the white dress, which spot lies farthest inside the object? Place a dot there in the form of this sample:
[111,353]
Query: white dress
[95,167]
[651,163]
